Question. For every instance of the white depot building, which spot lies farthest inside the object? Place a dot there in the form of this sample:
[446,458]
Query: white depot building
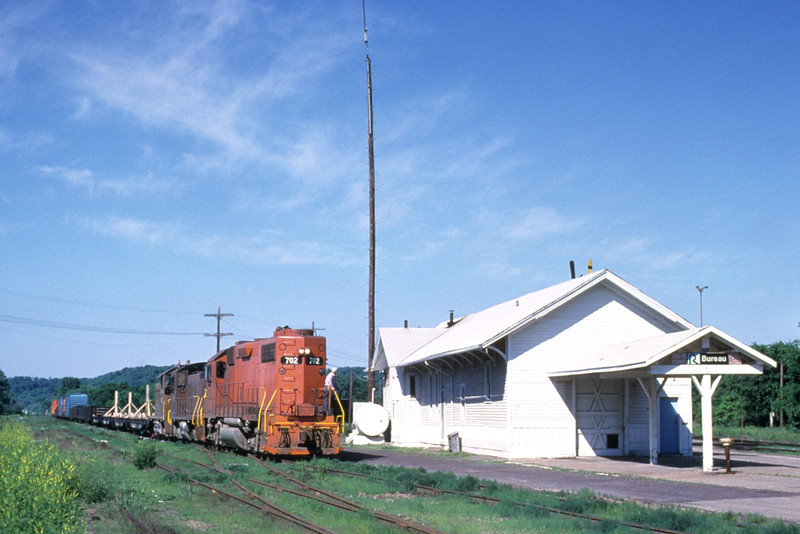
[590,366]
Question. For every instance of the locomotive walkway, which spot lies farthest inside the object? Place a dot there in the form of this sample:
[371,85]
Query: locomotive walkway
[760,483]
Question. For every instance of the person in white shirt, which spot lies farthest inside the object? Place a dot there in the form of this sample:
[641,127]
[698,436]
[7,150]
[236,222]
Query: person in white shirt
[330,386]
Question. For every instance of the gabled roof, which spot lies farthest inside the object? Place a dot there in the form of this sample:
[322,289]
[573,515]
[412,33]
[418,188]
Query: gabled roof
[641,353]
[406,346]
[399,343]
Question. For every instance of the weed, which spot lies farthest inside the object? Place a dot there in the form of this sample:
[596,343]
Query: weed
[176,478]
[38,485]
[144,454]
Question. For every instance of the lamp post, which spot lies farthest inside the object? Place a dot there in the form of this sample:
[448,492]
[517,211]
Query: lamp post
[700,289]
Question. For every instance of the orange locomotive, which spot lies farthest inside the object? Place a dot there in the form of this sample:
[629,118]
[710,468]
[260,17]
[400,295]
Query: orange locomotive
[263,396]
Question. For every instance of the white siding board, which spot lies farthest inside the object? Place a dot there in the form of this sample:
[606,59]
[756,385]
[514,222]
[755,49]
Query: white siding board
[637,433]
[530,414]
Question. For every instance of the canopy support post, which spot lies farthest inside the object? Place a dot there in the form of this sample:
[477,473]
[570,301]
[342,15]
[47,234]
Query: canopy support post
[706,389]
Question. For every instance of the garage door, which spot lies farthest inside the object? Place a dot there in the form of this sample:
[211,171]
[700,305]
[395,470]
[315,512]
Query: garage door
[599,416]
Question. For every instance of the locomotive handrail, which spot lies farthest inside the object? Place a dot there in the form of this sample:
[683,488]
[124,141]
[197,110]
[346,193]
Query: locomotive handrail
[260,409]
[265,410]
[197,413]
[341,410]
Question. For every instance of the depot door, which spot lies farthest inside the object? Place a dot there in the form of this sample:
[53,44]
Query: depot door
[669,425]
[599,406]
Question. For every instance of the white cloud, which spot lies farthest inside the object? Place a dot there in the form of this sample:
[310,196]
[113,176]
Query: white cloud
[537,223]
[16,18]
[266,248]
[86,179]
[652,254]
[183,83]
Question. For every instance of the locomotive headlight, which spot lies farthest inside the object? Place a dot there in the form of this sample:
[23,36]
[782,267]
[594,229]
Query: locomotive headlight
[304,350]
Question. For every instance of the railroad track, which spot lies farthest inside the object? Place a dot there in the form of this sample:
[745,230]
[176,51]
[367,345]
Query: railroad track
[758,445]
[477,497]
[306,491]
[249,498]
[256,502]
[337,501]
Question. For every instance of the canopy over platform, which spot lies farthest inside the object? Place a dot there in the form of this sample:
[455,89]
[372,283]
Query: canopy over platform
[702,354]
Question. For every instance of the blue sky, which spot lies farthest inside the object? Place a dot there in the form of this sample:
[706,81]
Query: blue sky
[161,159]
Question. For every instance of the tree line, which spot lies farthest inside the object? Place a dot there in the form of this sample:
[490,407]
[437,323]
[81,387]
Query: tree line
[742,399]
[749,400]
[34,395]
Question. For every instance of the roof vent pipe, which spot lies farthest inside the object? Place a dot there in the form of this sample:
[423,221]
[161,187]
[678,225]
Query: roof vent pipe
[572,269]
[590,266]
[450,322]
[405,323]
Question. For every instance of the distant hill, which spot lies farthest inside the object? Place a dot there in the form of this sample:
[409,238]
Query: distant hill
[35,394]
[135,376]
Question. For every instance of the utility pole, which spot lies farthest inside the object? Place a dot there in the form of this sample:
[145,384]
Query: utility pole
[371,343]
[218,315]
[780,394]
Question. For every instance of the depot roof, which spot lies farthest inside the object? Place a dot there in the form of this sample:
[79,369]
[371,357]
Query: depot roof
[407,346]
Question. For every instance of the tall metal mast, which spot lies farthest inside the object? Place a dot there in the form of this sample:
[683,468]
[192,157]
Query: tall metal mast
[371,344]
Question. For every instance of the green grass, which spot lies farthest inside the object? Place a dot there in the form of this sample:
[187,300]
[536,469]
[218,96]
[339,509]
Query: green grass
[111,471]
[786,434]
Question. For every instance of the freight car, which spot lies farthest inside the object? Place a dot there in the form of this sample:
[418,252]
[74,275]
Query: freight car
[62,406]
[264,396]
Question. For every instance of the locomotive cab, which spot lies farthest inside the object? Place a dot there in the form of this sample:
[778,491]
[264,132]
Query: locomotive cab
[267,396]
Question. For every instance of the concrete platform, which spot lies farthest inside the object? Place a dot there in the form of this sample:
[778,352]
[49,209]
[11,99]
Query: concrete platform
[762,484]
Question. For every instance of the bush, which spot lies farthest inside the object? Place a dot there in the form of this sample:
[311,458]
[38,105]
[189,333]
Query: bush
[144,454]
[39,485]
[95,487]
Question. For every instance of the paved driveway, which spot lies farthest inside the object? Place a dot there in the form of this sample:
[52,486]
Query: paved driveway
[764,484]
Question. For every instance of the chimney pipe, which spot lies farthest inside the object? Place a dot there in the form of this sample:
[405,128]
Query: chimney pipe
[590,266]
[572,269]
[451,323]
[405,323]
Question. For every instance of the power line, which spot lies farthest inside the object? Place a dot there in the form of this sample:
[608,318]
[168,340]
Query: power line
[88,328]
[93,304]
[218,315]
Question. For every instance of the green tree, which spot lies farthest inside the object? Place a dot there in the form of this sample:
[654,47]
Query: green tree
[784,398]
[749,399]
[68,384]
[6,399]
[359,384]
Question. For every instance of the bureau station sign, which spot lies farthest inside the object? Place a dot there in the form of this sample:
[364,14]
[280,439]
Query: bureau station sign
[707,358]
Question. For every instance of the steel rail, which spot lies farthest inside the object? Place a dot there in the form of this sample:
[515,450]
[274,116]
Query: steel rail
[138,524]
[337,501]
[494,500]
[265,507]
[486,498]
[550,509]
[759,445]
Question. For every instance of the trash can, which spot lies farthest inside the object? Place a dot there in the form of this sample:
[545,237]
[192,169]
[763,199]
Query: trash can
[455,442]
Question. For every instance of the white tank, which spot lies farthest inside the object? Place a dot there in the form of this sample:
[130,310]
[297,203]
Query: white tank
[371,419]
